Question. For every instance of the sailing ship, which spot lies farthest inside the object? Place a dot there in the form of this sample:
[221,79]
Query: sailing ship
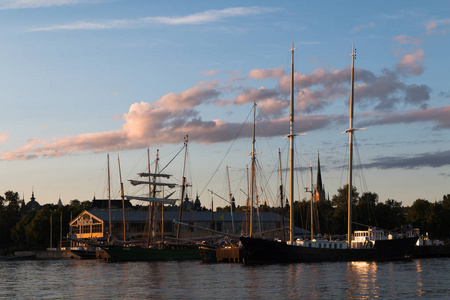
[370,245]
[155,249]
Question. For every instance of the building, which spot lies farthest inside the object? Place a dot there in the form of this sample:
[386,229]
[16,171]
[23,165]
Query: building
[33,204]
[95,224]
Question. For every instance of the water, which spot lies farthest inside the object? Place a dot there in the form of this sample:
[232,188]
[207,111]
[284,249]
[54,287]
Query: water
[92,279]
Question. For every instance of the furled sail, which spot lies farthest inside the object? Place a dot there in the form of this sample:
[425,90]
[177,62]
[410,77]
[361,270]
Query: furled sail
[154,175]
[154,200]
[137,182]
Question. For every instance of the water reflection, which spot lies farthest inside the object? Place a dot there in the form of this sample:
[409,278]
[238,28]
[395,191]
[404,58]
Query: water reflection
[419,283]
[362,279]
[194,280]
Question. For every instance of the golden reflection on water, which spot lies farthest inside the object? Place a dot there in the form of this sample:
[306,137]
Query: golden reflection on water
[362,278]
[419,283]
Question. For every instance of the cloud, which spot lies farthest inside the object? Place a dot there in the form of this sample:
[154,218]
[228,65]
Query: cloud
[251,95]
[168,119]
[210,73]
[363,26]
[437,27]
[4,136]
[205,17]
[203,92]
[22,4]
[267,73]
[433,160]
[438,116]
[410,64]
[404,39]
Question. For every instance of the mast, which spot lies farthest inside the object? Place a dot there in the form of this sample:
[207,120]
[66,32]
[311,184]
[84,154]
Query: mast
[252,179]
[150,205]
[247,204]
[350,152]
[183,189]
[281,194]
[51,231]
[312,198]
[109,201]
[230,195]
[291,153]
[123,201]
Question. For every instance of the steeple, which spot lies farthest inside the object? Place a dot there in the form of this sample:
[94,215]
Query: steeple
[319,175]
[320,191]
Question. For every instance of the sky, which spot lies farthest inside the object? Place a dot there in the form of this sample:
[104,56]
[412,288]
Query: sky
[80,79]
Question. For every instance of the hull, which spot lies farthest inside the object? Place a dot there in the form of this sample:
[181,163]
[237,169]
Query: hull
[208,253]
[258,250]
[431,251]
[118,253]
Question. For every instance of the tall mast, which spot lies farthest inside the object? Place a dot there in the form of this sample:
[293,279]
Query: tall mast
[230,196]
[183,189]
[312,198]
[109,201]
[291,153]
[123,201]
[350,151]
[247,204]
[252,179]
[150,205]
[281,194]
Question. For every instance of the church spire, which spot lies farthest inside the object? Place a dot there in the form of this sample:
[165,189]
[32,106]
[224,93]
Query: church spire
[320,191]
[319,175]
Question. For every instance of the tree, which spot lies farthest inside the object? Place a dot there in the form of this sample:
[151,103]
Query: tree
[389,215]
[9,216]
[365,209]
[340,213]
[418,214]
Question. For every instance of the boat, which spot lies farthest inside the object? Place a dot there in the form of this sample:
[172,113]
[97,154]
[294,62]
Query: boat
[154,249]
[369,245]
[160,252]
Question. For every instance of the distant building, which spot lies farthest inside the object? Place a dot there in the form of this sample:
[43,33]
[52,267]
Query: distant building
[115,204]
[95,224]
[32,204]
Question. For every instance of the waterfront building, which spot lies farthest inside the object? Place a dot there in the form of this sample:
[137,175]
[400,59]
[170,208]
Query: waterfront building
[95,224]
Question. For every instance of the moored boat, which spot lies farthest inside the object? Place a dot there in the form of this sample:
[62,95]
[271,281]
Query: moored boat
[370,245]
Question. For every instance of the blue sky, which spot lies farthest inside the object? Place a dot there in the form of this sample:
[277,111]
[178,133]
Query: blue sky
[80,79]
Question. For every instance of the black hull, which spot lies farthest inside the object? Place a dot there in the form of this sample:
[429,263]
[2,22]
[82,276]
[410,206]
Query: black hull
[431,251]
[258,250]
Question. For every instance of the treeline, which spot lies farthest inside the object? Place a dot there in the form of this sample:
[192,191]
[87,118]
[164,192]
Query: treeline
[24,230]
[30,230]
[431,218]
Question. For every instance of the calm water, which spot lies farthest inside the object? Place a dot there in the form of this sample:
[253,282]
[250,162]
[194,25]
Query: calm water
[427,278]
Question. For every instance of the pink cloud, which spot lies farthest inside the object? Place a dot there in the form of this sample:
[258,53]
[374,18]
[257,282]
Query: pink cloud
[404,39]
[410,64]
[432,26]
[203,92]
[4,136]
[273,106]
[267,73]
[254,95]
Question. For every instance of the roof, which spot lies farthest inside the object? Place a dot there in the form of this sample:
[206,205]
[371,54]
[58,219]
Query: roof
[188,216]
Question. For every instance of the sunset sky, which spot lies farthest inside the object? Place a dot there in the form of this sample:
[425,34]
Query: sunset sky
[83,78]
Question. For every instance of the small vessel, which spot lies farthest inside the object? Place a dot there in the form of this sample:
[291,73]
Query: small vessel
[369,245]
